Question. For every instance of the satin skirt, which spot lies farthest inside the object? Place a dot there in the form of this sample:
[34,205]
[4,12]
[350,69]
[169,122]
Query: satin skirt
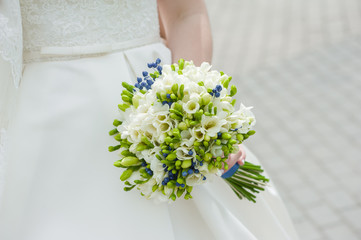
[61,182]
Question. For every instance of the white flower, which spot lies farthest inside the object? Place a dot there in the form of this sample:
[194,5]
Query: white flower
[212,124]
[194,179]
[187,138]
[158,171]
[182,153]
[216,151]
[191,106]
[198,133]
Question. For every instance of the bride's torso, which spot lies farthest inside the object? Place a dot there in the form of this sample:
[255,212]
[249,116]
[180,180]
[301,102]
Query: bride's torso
[81,23]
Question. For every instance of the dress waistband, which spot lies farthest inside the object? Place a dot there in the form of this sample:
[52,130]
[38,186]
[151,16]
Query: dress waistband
[53,53]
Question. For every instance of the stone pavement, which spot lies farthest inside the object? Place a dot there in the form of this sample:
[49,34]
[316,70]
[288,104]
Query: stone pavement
[298,62]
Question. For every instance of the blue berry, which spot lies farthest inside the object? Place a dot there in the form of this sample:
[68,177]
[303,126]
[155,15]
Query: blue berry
[150,65]
[164,165]
[169,148]
[165,154]
[166,180]
[219,88]
[196,171]
[183,185]
[217,94]
[177,184]
[137,85]
[143,84]
[149,81]
[204,178]
[184,174]
[139,80]
[157,61]
[201,163]
[164,102]
[219,134]
[211,93]
[145,73]
[190,152]
[147,87]
[190,171]
[214,90]
[168,95]
[144,164]
[163,183]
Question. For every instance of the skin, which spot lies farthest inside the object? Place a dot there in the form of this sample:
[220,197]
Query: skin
[185,28]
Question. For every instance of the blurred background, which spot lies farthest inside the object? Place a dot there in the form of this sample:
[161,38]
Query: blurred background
[298,62]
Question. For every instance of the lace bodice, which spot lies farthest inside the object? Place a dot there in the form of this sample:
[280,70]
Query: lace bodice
[69,23]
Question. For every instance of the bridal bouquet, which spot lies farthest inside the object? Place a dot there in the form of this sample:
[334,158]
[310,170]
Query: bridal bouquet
[176,129]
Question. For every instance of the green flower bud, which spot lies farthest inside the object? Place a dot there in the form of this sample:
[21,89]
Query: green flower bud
[173,97]
[127,99]
[118,164]
[193,123]
[163,95]
[176,112]
[201,83]
[127,86]
[172,67]
[159,157]
[208,157]
[201,152]
[210,105]
[126,174]
[207,137]
[181,91]
[154,188]
[141,146]
[175,89]
[218,159]
[245,136]
[170,184]
[218,142]
[239,137]
[226,136]
[180,192]
[123,106]
[181,63]
[232,141]
[233,90]
[189,189]
[180,180]
[251,132]
[226,83]
[127,153]
[127,93]
[173,197]
[198,115]
[113,148]
[187,196]
[180,72]
[196,144]
[178,107]
[168,139]
[116,122]
[130,161]
[208,114]
[222,73]
[113,131]
[215,110]
[205,143]
[175,116]
[171,157]
[182,126]
[147,142]
[225,166]
[186,163]
[206,99]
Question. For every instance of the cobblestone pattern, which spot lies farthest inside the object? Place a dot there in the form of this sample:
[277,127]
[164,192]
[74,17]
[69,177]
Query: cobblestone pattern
[298,62]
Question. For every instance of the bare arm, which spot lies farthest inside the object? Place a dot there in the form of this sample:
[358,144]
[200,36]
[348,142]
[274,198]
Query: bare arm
[186,29]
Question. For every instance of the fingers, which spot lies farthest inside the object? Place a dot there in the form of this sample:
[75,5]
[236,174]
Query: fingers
[242,156]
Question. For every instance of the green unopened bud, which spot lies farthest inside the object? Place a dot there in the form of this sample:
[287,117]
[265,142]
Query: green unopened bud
[251,132]
[180,192]
[118,164]
[172,67]
[176,112]
[130,161]
[127,153]
[113,148]
[245,136]
[171,157]
[205,143]
[193,123]
[187,196]
[226,136]
[233,90]
[239,137]
[146,141]
[232,141]
[168,139]
[127,93]
[178,107]
[141,146]
[210,105]
[201,152]
[225,166]
[198,115]
[113,131]
[127,99]
[218,142]
[173,96]
[175,88]
[226,83]
[126,174]
[182,126]
[208,157]
[154,188]
[215,110]
[196,144]
[186,163]
[128,86]
[163,95]
[175,116]
[116,122]
[180,72]
[123,106]
[206,99]
[181,63]
[189,189]
[181,91]
[207,138]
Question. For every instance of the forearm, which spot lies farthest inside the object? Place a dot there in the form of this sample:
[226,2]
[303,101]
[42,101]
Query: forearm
[187,32]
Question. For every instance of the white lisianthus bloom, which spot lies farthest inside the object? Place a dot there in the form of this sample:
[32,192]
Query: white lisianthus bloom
[146,188]
[158,171]
[212,124]
[216,151]
[194,179]
[163,127]
[182,153]
[187,138]
[205,67]
[191,106]
[198,133]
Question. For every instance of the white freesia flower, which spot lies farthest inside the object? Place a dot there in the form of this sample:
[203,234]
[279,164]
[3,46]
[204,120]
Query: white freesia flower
[217,151]
[198,133]
[194,179]
[212,124]
[187,138]
[158,171]
[182,153]
[191,106]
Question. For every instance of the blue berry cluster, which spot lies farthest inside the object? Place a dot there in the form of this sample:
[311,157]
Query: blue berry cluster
[148,79]
[216,91]
[147,170]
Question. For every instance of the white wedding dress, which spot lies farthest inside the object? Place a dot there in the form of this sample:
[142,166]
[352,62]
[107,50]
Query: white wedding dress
[60,179]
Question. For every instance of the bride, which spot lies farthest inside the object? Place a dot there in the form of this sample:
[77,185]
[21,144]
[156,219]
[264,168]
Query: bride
[60,181]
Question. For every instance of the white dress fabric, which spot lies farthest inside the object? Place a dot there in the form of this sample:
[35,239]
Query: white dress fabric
[60,179]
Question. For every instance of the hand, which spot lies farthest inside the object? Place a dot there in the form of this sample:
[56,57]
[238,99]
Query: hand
[236,158]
